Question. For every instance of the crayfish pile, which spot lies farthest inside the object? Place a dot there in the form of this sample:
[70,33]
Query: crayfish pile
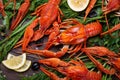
[73,35]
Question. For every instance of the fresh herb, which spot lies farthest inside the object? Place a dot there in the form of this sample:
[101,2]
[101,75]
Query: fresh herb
[2,77]
[8,43]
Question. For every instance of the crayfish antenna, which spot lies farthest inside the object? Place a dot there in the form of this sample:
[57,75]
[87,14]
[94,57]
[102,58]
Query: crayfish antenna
[116,27]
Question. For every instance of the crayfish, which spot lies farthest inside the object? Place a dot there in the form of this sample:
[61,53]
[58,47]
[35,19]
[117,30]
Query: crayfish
[74,35]
[75,70]
[47,14]
[101,51]
[112,5]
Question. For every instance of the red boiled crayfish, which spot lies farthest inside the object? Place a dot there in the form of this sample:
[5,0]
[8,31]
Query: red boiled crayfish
[111,6]
[75,35]
[100,51]
[47,14]
[20,15]
[73,70]
[113,59]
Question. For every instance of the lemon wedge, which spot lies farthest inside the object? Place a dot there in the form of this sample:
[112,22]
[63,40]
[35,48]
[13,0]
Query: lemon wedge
[24,67]
[78,5]
[15,62]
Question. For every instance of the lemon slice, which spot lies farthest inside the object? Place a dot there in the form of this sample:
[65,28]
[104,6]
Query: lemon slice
[24,67]
[78,5]
[15,62]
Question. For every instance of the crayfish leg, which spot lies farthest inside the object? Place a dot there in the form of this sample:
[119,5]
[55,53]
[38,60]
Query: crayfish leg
[27,37]
[29,34]
[90,6]
[54,62]
[100,51]
[21,13]
[59,17]
[38,9]
[70,21]
[76,49]
[37,35]
[107,24]
[47,53]
[99,65]
[52,35]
